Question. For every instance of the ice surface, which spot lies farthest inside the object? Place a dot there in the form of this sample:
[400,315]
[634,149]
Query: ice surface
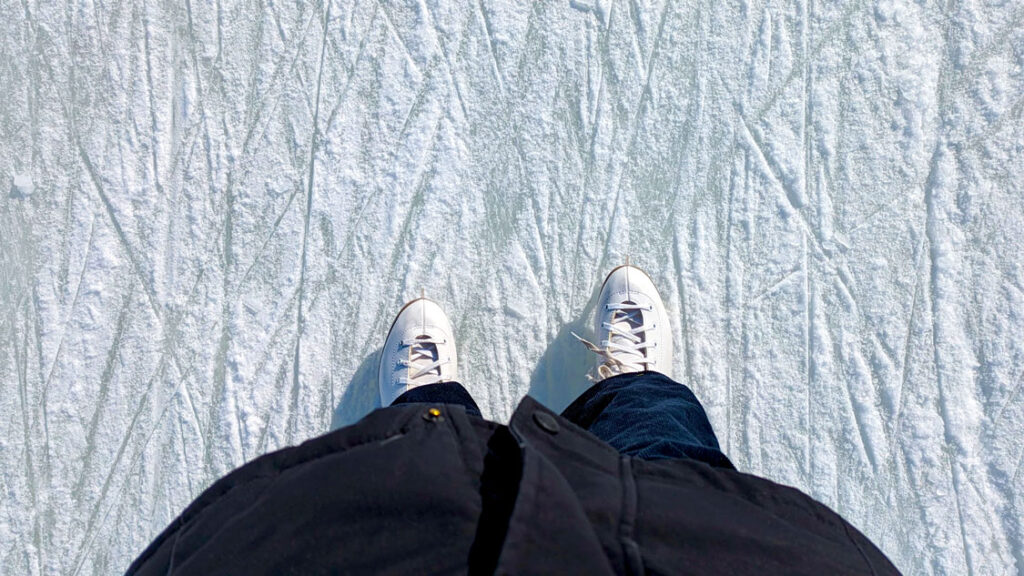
[22,186]
[232,199]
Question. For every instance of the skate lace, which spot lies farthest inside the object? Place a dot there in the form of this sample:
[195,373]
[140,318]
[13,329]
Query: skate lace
[627,345]
[424,363]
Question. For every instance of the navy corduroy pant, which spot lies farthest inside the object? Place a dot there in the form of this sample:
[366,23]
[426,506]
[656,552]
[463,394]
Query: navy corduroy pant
[646,415]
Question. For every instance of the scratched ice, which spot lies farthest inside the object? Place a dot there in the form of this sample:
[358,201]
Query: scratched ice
[210,212]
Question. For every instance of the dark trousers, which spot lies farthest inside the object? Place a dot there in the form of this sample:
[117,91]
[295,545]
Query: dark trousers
[646,415]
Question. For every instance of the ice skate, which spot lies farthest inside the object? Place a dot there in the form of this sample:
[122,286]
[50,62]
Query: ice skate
[632,328]
[419,350]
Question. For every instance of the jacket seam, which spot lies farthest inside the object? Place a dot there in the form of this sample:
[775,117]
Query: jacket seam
[529,486]
[631,558]
[863,555]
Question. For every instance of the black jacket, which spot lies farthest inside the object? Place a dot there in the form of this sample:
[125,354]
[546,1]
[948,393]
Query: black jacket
[412,490]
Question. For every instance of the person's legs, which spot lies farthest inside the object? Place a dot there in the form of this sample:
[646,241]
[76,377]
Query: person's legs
[637,407]
[440,393]
[650,416]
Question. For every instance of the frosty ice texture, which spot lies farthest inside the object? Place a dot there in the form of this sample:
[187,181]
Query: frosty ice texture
[229,201]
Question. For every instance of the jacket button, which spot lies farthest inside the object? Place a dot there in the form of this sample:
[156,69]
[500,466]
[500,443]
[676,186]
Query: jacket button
[546,421]
[433,415]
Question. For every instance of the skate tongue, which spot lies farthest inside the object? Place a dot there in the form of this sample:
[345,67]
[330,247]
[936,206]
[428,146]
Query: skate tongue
[626,321]
[424,352]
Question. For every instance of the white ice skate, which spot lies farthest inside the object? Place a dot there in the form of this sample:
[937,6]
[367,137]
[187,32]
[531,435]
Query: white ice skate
[419,350]
[631,326]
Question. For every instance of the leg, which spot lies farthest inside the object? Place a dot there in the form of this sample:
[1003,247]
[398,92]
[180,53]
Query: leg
[440,393]
[637,407]
[650,416]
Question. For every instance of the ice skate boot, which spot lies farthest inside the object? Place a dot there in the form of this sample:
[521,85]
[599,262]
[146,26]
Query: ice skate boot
[419,350]
[631,325]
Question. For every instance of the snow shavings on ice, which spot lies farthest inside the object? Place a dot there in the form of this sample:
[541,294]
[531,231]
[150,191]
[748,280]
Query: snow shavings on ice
[213,210]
